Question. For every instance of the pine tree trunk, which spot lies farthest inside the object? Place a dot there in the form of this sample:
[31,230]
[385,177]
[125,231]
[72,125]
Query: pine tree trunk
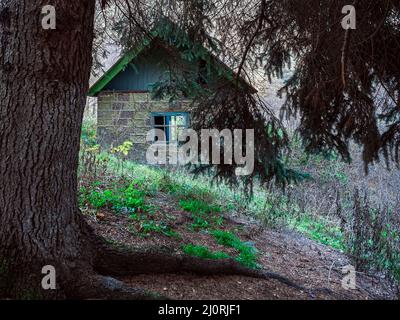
[44,77]
[43,83]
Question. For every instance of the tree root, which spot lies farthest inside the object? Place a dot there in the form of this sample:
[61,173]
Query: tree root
[124,262]
[120,263]
[108,288]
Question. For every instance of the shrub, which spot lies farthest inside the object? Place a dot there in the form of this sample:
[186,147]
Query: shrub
[373,237]
[92,162]
[122,152]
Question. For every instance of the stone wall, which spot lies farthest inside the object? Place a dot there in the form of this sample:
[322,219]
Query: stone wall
[127,116]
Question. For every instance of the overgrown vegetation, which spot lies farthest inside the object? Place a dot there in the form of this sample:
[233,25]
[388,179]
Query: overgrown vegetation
[373,237]
[320,230]
[325,208]
[120,199]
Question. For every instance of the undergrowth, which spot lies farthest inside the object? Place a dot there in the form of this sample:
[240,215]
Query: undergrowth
[247,253]
[204,215]
[203,252]
[120,199]
[313,208]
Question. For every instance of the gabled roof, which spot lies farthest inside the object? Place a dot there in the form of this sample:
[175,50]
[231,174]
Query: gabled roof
[127,58]
[115,69]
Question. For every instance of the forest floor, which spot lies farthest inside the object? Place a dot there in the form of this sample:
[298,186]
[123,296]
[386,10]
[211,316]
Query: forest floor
[315,267]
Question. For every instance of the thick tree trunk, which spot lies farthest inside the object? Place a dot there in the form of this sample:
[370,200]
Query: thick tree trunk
[43,82]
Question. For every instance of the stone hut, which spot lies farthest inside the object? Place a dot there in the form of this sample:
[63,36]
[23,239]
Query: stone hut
[125,108]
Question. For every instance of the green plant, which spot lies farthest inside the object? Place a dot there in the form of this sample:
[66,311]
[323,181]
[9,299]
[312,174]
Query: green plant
[274,209]
[125,199]
[92,163]
[167,184]
[373,237]
[204,215]
[226,238]
[122,152]
[320,230]
[248,259]
[203,252]
[185,189]
[150,226]
[132,198]
[123,149]
[99,199]
[88,135]
[247,253]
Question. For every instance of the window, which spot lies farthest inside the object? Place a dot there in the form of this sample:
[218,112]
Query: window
[172,123]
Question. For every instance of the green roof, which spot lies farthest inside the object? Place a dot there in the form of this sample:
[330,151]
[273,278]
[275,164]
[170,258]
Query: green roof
[126,59]
[115,69]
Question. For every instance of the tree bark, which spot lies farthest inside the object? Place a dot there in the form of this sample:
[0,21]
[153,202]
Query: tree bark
[44,76]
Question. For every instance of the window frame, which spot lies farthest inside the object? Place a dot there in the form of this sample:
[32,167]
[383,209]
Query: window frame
[167,127]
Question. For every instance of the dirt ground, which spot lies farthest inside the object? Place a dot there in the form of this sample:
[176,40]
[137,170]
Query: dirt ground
[314,267]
